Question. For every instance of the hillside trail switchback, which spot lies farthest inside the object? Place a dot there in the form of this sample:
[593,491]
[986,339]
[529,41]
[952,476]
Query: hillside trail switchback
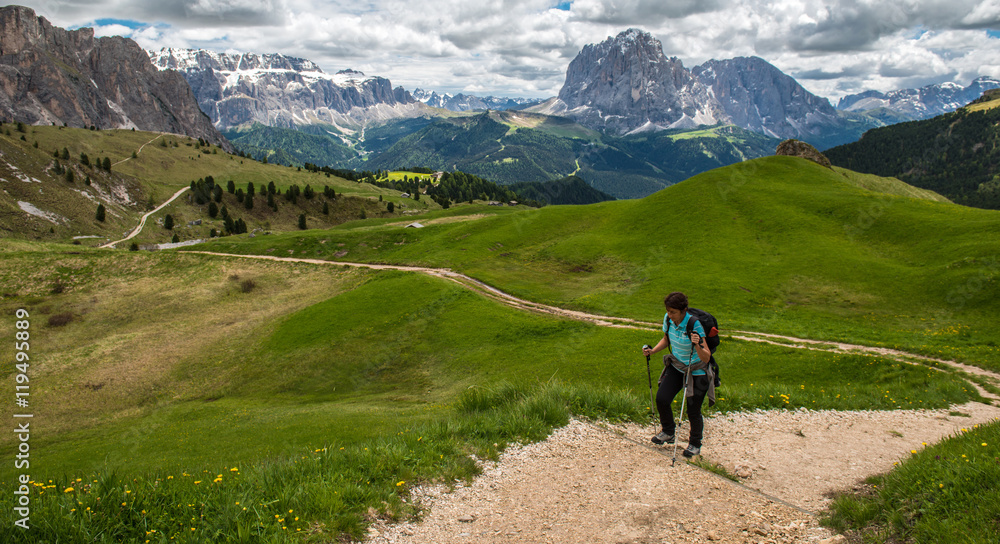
[599,483]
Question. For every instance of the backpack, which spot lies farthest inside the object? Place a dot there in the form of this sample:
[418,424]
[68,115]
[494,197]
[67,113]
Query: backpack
[711,326]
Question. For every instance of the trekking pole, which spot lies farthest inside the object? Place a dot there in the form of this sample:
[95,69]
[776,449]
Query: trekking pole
[681,418]
[652,399]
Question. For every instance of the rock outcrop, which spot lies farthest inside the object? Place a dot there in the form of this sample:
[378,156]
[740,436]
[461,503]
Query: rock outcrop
[52,75]
[796,148]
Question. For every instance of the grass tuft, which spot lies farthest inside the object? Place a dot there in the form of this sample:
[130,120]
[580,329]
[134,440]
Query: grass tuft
[60,319]
[943,492]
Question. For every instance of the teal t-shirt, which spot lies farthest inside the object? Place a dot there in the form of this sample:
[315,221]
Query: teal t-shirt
[680,344]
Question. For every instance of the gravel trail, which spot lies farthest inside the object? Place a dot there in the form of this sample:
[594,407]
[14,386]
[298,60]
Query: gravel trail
[604,484]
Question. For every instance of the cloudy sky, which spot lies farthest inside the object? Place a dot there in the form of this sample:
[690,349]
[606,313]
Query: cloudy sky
[522,47]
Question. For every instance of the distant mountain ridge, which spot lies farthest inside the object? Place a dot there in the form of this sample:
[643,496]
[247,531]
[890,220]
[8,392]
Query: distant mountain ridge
[543,148]
[467,102]
[237,89]
[626,84]
[923,103]
[52,75]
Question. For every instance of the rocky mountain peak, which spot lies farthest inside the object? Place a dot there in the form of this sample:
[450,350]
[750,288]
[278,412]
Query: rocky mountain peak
[757,96]
[52,75]
[626,83]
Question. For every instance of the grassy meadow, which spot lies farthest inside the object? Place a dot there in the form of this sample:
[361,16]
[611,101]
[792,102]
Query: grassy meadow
[195,398]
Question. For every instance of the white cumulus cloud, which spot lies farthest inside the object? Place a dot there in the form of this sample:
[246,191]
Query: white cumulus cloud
[522,47]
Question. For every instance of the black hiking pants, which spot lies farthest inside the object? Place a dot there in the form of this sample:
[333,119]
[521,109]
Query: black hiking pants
[673,382]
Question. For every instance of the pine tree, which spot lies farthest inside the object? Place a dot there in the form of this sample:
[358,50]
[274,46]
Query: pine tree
[168,222]
[302,221]
[213,210]
[175,239]
[326,208]
[100,213]
[231,187]
[106,164]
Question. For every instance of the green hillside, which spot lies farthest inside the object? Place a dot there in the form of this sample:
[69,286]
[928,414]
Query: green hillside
[52,187]
[288,146]
[956,154]
[777,243]
[220,398]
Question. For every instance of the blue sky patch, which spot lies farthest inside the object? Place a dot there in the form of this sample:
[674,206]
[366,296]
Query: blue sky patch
[993,33]
[123,22]
[565,6]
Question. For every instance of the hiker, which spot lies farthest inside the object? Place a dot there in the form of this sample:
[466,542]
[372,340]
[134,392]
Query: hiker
[687,353]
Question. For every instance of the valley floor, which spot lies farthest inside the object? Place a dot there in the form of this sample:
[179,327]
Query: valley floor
[595,483]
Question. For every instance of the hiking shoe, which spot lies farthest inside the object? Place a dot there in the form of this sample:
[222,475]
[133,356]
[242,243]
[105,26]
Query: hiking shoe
[663,438]
[691,451]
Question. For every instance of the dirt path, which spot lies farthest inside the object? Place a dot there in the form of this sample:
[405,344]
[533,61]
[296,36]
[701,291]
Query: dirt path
[142,222]
[139,150]
[596,483]
[623,322]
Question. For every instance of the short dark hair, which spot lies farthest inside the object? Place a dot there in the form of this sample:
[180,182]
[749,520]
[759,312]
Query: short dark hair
[676,300]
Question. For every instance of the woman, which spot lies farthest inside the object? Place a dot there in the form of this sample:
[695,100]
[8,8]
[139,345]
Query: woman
[687,363]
